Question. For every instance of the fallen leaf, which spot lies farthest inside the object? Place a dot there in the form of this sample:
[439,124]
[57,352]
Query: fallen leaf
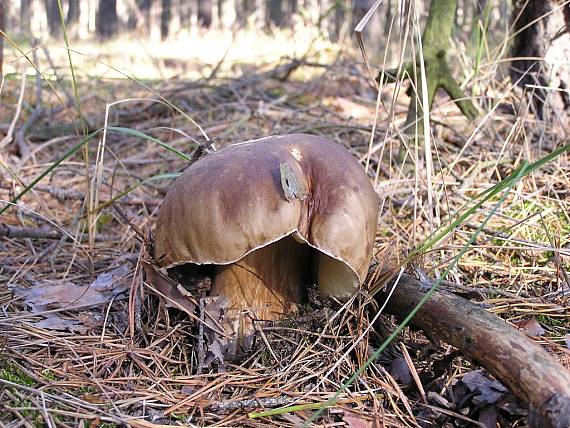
[61,324]
[51,294]
[93,398]
[488,391]
[188,389]
[511,405]
[91,320]
[400,371]
[488,416]
[354,420]
[347,107]
[531,327]
[293,419]
[214,354]
[95,423]
[434,398]
[168,288]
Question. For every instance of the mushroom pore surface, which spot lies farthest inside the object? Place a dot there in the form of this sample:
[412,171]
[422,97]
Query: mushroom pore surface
[231,209]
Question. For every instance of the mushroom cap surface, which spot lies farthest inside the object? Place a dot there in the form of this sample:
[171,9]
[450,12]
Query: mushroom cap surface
[232,202]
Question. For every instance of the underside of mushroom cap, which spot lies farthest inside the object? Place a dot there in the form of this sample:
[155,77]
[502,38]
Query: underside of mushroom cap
[233,201]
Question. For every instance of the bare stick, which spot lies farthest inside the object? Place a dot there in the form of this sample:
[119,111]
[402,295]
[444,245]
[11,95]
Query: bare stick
[9,135]
[19,232]
[524,366]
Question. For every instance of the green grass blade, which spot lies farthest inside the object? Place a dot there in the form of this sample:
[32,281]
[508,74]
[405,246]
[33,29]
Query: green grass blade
[54,165]
[82,143]
[139,134]
[136,186]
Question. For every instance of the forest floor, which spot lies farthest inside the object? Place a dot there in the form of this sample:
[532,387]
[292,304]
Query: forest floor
[85,340]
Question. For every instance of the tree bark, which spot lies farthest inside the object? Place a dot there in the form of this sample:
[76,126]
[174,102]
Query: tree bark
[532,374]
[106,23]
[205,13]
[542,31]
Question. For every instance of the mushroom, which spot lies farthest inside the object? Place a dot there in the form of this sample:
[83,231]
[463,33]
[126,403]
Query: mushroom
[269,215]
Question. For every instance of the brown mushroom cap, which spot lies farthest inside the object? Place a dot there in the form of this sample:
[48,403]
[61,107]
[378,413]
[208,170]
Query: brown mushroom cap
[232,202]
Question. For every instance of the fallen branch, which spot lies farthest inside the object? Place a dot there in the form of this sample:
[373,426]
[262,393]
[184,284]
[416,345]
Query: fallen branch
[524,366]
[43,232]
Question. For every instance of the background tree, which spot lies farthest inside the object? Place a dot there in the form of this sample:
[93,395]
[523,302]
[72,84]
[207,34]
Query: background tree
[2,26]
[106,23]
[275,15]
[359,9]
[338,20]
[72,17]
[139,16]
[205,13]
[388,19]
[289,12]
[53,18]
[25,16]
[541,27]
[244,9]
[185,13]
[436,45]
[221,13]
[165,17]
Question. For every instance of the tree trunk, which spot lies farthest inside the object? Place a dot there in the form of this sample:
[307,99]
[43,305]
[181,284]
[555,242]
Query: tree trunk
[532,374]
[2,22]
[185,12]
[73,13]
[143,13]
[244,9]
[205,13]
[290,11]
[435,41]
[106,23]
[220,13]
[388,20]
[72,17]
[53,18]
[479,11]
[165,16]
[276,13]
[25,16]
[359,9]
[542,34]
[339,17]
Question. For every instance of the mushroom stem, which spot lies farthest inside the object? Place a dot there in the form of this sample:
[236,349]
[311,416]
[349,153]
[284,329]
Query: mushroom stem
[266,283]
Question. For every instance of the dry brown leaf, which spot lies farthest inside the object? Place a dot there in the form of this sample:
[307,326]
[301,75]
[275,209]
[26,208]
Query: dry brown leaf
[531,327]
[168,288]
[50,294]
